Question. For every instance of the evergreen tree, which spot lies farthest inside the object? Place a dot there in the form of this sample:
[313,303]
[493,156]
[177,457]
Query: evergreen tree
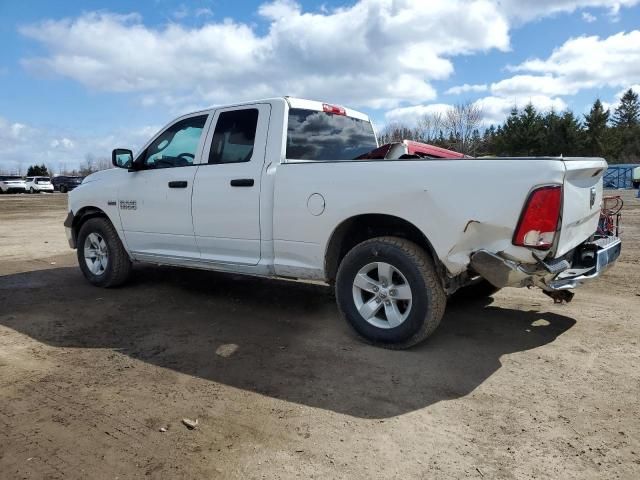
[563,134]
[627,114]
[625,135]
[596,123]
[523,133]
[37,171]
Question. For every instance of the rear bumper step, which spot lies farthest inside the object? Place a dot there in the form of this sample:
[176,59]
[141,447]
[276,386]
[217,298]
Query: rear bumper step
[607,252]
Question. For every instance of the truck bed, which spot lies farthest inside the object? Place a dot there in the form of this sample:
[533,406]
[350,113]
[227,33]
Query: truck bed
[461,205]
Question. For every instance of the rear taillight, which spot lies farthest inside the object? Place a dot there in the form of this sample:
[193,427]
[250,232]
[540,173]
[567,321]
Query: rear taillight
[539,219]
[336,110]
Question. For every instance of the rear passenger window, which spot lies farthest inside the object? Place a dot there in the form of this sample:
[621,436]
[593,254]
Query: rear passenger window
[234,136]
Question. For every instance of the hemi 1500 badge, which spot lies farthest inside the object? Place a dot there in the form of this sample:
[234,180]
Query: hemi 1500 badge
[128,205]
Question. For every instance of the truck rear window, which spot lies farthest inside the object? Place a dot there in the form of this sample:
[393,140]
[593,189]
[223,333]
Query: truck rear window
[314,135]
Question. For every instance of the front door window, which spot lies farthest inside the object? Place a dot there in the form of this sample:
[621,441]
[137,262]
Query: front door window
[177,145]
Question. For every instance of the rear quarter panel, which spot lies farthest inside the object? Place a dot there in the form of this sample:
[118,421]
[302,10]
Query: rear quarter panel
[460,205]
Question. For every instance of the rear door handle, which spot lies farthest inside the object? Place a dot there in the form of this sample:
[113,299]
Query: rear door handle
[178,184]
[242,182]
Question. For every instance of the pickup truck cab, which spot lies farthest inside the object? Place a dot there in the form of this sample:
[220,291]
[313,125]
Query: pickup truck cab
[284,188]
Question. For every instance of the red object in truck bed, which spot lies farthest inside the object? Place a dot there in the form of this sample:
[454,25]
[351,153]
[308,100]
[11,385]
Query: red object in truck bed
[409,149]
[416,148]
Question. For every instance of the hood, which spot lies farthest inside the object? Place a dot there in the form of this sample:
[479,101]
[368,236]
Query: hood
[101,175]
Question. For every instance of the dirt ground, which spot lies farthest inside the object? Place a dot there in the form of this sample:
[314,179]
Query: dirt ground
[513,388]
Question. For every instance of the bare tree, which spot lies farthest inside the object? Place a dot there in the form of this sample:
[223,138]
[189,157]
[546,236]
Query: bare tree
[93,164]
[429,127]
[396,132]
[460,122]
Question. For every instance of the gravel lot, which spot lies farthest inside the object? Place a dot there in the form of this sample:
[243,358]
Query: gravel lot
[509,389]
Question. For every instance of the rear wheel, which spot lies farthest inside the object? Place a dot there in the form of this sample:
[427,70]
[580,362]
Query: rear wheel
[389,292]
[101,256]
[63,189]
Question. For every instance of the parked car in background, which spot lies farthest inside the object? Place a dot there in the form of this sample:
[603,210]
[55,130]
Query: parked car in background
[65,183]
[38,184]
[636,177]
[12,184]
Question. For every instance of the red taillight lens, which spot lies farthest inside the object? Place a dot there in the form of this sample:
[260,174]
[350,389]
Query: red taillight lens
[333,109]
[539,219]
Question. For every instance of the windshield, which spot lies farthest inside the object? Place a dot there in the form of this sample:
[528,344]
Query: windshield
[314,135]
[42,180]
[9,178]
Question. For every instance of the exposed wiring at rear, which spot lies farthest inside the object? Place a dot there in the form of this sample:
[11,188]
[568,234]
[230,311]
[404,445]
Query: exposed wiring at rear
[610,216]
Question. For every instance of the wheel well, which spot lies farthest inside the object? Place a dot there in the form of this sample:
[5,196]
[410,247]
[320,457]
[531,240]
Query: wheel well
[357,229]
[82,216]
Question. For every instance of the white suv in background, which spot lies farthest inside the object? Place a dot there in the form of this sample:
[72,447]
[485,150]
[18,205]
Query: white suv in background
[38,184]
[12,184]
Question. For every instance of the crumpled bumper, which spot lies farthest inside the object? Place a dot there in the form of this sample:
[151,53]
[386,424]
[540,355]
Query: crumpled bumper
[554,275]
[608,251]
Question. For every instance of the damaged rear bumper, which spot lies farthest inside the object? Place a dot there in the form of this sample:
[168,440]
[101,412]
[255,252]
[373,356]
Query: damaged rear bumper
[588,262]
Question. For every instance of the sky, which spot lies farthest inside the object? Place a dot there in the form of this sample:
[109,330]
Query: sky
[81,77]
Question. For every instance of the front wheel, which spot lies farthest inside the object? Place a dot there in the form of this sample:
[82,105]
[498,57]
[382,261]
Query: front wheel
[63,189]
[31,190]
[101,256]
[388,290]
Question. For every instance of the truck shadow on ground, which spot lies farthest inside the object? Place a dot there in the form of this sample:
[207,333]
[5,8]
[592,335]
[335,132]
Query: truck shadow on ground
[277,338]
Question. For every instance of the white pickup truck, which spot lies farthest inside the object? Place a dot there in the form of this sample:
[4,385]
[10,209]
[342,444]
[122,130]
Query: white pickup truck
[288,188]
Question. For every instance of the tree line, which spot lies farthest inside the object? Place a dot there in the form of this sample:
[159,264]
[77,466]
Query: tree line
[91,164]
[528,132]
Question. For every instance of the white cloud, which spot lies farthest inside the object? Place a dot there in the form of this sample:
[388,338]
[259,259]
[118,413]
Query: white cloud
[579,64]
[22,145]
[466,88]
[529,85]
[203,12]
[588,17]
[496,109]
[375,53]
[527,10]
[588,62]
[409,115]
[63,143]
[371,53]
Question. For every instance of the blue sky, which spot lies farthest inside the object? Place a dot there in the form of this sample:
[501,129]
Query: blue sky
[81,77]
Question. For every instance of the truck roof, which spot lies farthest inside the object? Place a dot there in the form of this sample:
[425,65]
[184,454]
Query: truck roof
[293,102]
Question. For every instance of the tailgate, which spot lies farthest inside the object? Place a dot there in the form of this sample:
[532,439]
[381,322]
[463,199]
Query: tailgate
[581,202]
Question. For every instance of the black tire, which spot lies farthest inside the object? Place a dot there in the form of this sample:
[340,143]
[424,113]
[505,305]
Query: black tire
[428,297]
[63,189]
[118,266]
[479,289]
[31,190]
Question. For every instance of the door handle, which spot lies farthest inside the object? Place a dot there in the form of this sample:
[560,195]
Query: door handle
[178,184]
[242,182]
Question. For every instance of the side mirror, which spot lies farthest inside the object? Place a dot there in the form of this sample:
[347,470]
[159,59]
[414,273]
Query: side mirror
[122,158]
